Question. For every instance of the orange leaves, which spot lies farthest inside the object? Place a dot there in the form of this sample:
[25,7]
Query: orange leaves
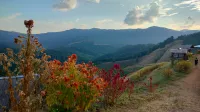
[66,79]
[80,81]
[72,58]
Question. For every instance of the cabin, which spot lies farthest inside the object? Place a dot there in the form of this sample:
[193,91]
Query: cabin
[181,52]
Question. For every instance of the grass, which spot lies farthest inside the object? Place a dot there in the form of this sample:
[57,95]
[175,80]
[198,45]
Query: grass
[142,73]
[159,78]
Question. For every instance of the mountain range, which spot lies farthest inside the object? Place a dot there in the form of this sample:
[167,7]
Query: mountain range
[89,44]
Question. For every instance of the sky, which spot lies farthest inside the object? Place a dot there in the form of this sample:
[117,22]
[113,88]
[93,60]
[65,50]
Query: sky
[61,15]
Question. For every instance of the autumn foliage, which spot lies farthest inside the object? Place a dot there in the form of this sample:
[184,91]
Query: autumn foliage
[74,86]
[117,84]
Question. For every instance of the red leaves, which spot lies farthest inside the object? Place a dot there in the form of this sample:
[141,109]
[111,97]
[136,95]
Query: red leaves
[66,79]
[59,92]
[116,85]
[117,66]
[75,84]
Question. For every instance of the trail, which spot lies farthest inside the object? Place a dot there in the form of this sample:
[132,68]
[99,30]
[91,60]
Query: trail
[182,96]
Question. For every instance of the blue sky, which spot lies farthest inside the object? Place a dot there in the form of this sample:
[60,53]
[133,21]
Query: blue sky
[60,15]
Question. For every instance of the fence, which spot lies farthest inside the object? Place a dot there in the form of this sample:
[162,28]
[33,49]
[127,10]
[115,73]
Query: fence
[4,95]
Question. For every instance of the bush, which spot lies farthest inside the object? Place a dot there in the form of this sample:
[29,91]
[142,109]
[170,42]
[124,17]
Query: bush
[144,71]
[25,94]
[183,66]
[74,87]
[198,52]
[117,84]
[190,55]
[167,72]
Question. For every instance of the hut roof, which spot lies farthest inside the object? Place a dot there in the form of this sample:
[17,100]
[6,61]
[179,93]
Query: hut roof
[186,46]
[179,51]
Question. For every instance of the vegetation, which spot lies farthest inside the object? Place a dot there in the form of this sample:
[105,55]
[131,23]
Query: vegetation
[168,72]
[26,63]
[74,88]
[117,84]
[192,39]
[183,66]
[140,75]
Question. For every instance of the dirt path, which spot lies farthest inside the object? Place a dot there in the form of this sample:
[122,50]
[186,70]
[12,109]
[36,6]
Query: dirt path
[182,96]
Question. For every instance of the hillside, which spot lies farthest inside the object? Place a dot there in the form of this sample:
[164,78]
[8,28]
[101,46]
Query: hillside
[179,93]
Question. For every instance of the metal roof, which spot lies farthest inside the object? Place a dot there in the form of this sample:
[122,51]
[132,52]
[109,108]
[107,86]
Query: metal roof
[186,46]
[197,46]
[178,50]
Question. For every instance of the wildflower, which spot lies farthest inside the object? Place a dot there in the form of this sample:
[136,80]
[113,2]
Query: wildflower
[16,40]
[74,56]
[59,92]
[53,76]
[75,84]
[43,93]
[21,93]
[117,66]
[66,79]
[28,24]
[71,76]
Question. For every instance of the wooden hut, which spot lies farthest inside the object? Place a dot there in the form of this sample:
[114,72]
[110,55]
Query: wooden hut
[181,52]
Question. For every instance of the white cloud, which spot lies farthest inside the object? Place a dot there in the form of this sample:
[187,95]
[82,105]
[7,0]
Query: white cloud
[96,1]
[195,4]
[13,16]
[65,5]
[139,15]
[101,23]
[77,20]
[83,26]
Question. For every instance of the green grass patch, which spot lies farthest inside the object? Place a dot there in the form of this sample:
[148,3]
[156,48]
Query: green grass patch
[143,73]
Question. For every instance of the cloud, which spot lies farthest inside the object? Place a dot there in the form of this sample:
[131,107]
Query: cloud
[103,21]
[138,16]
[96,1]
[195,4]
[154,10]
[13,16]
[188,23]
[65,5]
[77,20]
[83,26]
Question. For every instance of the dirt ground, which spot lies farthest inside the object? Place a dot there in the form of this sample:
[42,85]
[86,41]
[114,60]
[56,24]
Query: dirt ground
[182,96]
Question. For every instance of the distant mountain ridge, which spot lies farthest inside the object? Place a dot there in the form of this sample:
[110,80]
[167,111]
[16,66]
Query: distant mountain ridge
[89,44]
[149,35]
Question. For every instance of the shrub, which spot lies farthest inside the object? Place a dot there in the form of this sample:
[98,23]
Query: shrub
[183,66]
[198,52]
[190,55]
[117,84]
[144,71]
[26,63]
[73,86]
[167,72]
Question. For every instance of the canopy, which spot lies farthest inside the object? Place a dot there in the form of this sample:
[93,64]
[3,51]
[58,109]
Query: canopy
[197,46]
